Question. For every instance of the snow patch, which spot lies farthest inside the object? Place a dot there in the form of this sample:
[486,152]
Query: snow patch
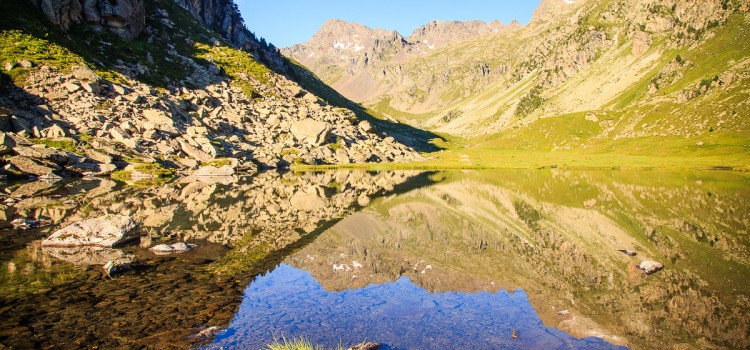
[358,48]
[569,2]
[311,54]
[431,47]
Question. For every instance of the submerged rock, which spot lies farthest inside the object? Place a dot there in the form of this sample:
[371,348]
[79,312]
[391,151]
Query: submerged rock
[179,247]
[119,265]
[104,231]
[365,346]
[650,267]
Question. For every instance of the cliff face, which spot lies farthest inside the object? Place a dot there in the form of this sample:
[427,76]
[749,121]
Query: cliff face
[126,18]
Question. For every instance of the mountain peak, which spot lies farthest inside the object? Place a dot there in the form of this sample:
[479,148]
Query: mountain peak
[553,9]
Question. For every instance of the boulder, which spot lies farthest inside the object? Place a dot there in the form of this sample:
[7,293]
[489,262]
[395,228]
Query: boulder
[84,73]
[98,156]
[6,143]
[159,118]
[194,152]
[365,126]
[92,168]
[105,231]
[650,267]
[56,156]
[311,131]
[179,247]
[209,170]
[33,166]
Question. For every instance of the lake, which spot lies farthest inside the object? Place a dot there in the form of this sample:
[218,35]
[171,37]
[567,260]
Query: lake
[409,259]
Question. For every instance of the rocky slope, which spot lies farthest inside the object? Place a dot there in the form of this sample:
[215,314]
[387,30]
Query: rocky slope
[680,72]
[164,90]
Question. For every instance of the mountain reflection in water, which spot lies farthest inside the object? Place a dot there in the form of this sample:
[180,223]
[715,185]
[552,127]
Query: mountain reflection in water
[290,302]
[551,236]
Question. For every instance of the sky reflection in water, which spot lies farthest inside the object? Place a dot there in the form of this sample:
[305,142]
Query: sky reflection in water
[289,302]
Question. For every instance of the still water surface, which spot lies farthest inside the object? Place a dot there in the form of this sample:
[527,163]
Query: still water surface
[413,260]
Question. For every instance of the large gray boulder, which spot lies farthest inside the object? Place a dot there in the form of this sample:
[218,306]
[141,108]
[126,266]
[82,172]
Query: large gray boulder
[311,131]
[105,231]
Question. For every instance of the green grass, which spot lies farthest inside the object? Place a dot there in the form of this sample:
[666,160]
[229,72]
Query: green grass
[218,163]
[155,169]
[296,344]
[68,145]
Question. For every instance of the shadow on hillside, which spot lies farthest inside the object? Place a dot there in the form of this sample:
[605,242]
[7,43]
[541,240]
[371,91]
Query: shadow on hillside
[418,139]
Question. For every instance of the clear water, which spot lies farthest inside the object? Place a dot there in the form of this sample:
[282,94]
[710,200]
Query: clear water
[289,302]
[411,260]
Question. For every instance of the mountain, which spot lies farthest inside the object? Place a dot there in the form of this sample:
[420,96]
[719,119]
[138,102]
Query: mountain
[595,75]
[143,89]
[361,62]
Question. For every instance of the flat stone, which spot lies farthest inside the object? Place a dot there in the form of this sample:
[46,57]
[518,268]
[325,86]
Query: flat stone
[33,166]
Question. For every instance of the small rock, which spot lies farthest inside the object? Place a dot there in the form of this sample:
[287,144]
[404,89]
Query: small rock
[365,346]
[72,87]
[628,252]
[179,247]
[119,265]
[84,73]
[25,63]
[119,89]
[650,267]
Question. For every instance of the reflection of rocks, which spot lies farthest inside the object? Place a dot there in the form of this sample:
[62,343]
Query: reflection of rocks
[531,231]
[104,231]
[119,265]
[165,300]
[84,255]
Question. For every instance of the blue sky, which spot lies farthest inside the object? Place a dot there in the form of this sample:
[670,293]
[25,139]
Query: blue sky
[288,22]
